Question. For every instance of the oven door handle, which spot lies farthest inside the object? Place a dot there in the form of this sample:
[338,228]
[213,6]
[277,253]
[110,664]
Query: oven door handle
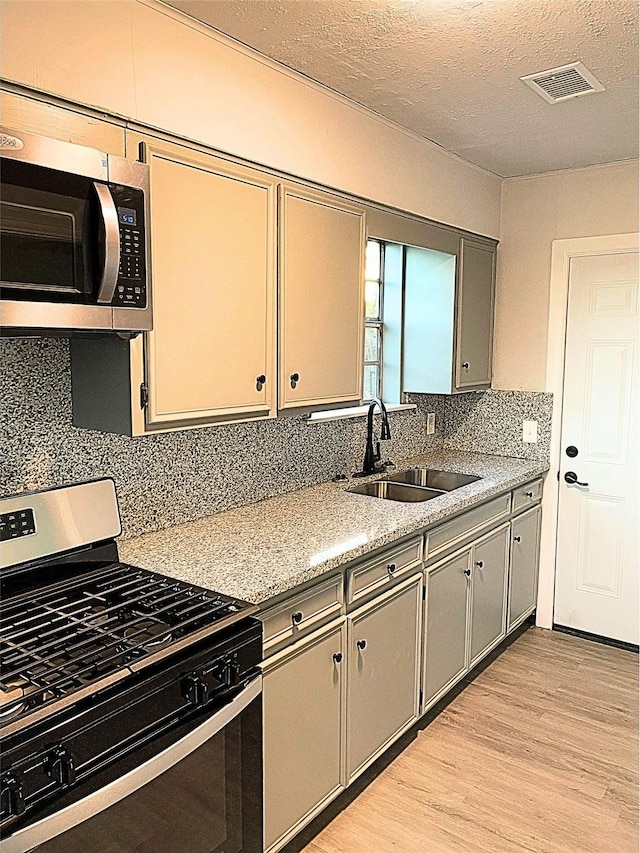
[111,244]
[49,827]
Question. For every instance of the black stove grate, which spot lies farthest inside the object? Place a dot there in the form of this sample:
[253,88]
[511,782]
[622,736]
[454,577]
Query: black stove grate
[68,640]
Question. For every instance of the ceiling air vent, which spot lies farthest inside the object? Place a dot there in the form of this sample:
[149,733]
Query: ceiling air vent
[563,83]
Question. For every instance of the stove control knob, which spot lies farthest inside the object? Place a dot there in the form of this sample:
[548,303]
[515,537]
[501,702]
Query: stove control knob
[60,765]
[226,672]
[12,794]
[194,689]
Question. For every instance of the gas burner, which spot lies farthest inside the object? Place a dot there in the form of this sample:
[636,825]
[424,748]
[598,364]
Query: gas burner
[147,635]
[96,615]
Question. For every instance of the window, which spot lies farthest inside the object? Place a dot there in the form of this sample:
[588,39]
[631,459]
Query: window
[373,328]
[384,263]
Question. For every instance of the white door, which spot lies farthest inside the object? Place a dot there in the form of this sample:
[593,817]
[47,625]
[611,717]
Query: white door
[597,548]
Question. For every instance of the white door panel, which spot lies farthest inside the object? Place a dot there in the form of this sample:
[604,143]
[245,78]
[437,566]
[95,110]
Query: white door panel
[597,551]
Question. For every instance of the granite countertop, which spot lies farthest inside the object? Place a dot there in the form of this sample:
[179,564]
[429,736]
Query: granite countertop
[261,550]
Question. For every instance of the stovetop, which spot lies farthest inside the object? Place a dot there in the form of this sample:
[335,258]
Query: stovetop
[66,640]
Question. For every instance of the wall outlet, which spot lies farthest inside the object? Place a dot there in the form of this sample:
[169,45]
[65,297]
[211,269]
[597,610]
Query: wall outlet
[530,432]
[431,423]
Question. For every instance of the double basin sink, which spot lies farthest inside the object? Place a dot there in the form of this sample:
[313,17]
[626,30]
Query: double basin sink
[414,485]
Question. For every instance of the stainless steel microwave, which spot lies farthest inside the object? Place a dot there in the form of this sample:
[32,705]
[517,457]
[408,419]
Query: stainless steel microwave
[74,239]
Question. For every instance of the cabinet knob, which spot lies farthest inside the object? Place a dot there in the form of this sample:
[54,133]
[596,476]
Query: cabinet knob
[361,644]
[517,538]
[337,658]
[294,378]
[296,617]
[529,494]
[480,564]
[465,365]
[260,380]
[391,568]
[467,572]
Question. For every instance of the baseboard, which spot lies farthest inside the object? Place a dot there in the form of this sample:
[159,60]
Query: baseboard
[596,638]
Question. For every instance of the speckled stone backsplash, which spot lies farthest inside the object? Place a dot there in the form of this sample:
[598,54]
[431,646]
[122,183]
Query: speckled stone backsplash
[491,422]
[175,477]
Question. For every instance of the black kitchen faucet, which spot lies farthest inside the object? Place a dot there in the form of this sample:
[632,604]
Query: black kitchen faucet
[371,456]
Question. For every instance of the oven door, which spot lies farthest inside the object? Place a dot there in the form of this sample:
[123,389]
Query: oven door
[202,793]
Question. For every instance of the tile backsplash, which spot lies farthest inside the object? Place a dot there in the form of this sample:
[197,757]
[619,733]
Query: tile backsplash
[175,477]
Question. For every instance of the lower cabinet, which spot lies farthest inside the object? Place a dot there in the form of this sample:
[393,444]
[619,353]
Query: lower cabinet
[489,566]
[383,680]
[465,610]
[523,580]
[303,706]
[445,657]
[335,699]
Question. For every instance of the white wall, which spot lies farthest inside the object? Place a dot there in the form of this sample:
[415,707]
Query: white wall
[144,61]
[588,202]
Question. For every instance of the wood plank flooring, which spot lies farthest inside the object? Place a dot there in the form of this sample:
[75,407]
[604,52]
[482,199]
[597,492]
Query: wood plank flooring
[538,753]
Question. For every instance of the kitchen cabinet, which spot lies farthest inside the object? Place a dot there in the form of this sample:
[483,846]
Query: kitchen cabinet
[523,571]
[303,707]
[448,318]
[466,603]
[488,591]
[321,300]
[445,651]
[474,314]
[383,658]
[210,356]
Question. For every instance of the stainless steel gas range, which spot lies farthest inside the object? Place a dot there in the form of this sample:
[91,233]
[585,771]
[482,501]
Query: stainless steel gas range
[130,706]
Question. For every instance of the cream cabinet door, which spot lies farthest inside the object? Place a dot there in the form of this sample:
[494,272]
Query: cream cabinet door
[210,355]
[321,299]
[302,700]
[489,567]
[475,298]
[523,568]
[383,650]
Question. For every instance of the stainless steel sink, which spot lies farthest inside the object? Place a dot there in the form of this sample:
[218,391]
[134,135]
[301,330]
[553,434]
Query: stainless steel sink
[443,481]
[395,491]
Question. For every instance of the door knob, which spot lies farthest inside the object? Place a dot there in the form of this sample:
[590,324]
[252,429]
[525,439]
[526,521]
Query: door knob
[572,478]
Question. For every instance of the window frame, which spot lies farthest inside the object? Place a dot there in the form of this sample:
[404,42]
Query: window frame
[375,323]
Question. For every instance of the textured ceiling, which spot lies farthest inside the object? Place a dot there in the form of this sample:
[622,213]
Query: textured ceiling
[449,70]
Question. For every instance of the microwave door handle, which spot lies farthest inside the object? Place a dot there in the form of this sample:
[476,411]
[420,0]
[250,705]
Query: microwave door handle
[111,244]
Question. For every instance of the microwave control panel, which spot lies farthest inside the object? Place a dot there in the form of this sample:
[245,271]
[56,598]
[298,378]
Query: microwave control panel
[131,288]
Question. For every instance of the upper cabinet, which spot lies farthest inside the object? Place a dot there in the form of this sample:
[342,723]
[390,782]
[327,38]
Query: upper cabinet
[213,259]
[448,318]
[321,300]
[211,354]
[475,297]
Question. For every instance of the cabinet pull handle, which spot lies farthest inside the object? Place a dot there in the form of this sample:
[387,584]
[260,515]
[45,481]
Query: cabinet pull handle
[337,658]
[361,644]
[517,538]
[529,494]
[260,381]
[480,564]
[391,568]
[296,618]
[467,572]
[294,379]
[465,365]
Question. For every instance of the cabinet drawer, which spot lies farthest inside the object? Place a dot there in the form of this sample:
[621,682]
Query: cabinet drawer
[527,495]
[455,532]
[297,615]
[382,571]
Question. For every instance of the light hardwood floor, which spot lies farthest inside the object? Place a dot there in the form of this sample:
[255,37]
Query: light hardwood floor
[539,753]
